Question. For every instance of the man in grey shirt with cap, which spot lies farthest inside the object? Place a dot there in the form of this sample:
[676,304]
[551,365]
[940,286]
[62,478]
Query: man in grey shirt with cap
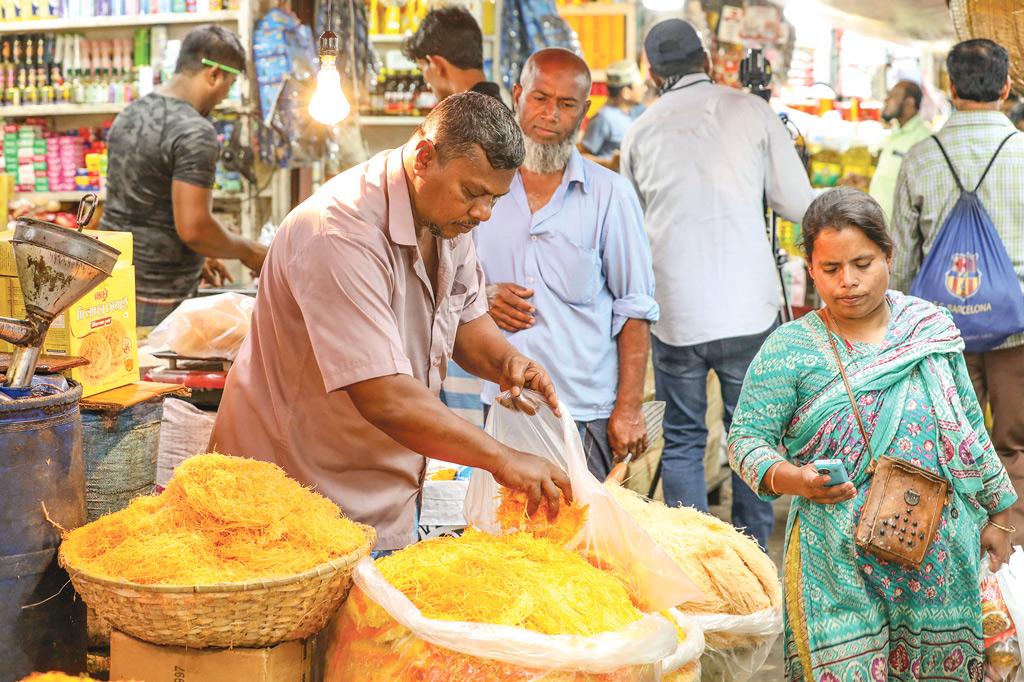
[703,159]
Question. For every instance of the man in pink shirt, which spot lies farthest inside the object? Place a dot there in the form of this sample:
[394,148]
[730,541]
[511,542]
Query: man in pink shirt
[370,286]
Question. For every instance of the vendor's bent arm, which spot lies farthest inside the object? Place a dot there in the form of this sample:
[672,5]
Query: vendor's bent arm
[408,412]
[481,349]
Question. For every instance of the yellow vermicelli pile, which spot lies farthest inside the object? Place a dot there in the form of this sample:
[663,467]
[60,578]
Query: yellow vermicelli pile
[516,579]
[512,517]
[735,575]
[221,519]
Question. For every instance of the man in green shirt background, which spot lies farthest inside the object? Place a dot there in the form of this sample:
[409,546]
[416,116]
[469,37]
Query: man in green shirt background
[902,110]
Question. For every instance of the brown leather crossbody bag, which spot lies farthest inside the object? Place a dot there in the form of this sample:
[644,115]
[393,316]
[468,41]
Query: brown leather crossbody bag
[904,504]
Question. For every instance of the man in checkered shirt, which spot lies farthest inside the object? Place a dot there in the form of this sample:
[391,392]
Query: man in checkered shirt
[925,195]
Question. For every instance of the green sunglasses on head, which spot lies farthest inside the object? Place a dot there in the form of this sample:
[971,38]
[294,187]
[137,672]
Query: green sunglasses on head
[222,67]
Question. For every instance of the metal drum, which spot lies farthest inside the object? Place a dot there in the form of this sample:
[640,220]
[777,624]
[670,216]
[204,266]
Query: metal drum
[42,623]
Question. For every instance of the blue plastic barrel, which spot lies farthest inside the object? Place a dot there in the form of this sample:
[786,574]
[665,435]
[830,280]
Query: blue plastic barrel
[42,622]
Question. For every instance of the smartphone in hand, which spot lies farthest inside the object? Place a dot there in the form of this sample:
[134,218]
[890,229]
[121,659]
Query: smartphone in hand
[835,469]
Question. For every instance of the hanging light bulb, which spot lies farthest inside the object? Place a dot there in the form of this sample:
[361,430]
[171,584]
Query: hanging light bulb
[329,104]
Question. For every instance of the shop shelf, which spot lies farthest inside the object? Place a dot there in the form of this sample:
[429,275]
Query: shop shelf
[59,110]
[86,23]
[77,195]
[84,109]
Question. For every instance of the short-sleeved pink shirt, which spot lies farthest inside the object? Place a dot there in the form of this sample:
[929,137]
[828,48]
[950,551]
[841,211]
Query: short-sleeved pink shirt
[344,297]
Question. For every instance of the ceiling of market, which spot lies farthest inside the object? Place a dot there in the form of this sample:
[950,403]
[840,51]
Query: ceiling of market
[914,20]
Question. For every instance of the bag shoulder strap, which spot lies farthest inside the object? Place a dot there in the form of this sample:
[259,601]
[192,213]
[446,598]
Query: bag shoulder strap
[949,163]
[984,173]
[993,159]
[846,382]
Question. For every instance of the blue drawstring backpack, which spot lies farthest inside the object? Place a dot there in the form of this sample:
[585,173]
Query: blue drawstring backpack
[969,272]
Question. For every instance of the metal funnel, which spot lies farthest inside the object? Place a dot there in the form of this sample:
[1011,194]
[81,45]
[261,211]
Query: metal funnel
[56,267]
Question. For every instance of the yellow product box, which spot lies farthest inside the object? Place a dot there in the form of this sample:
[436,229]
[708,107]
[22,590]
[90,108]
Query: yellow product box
[122,241]
[99,327]
[6,283]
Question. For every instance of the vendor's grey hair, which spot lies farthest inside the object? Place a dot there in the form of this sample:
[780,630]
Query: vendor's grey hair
[462,122]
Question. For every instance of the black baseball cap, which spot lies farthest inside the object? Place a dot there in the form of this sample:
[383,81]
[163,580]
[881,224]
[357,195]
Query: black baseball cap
[669,43]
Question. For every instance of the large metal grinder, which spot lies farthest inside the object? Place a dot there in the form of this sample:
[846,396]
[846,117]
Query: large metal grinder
[56,267]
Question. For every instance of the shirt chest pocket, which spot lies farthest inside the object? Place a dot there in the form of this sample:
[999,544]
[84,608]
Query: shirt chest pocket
[449,315]
[569,270]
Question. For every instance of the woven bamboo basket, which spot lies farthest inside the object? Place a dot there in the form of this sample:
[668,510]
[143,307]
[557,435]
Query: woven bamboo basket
[255,613]
[998,20]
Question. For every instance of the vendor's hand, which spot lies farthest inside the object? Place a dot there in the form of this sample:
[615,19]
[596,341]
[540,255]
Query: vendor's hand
[215,273]
[996,542]
[815,487]
[509,307]
[539,478]
[254,259]
[519,372]
[627,432]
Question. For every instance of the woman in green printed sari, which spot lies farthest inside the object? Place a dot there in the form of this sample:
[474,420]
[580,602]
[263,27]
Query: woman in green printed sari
[850,616]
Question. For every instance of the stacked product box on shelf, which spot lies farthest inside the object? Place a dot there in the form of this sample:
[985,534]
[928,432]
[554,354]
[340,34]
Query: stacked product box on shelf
[41,160]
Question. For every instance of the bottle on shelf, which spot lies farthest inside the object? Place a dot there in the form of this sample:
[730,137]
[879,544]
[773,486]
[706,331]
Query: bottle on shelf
[425,98]
[67,69]
[378,95]
[392,17]
[373,13]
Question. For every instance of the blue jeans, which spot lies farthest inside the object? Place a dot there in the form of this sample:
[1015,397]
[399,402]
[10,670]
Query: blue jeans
[680,374]
[594,435]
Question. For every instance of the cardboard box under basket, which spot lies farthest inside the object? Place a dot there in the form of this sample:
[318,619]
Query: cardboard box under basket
[133,659]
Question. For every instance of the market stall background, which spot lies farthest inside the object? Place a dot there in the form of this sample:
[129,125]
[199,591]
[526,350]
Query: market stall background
[54,150]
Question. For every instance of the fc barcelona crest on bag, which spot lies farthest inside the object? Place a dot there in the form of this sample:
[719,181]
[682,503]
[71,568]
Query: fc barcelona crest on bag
[964,278]
[968,272]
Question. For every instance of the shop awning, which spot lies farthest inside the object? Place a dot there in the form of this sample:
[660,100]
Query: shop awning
[896,20]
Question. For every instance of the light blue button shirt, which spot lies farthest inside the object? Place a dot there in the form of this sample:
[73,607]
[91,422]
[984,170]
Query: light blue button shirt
[588,261]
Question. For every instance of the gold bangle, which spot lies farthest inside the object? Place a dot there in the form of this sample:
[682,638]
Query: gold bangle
[1005,529]
[771,479]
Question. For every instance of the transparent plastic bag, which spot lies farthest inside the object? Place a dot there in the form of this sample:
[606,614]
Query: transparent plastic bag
[611,538]
[684,664]
[1010,577]
[208,327]
[737,646]
[380,635]
[998,590]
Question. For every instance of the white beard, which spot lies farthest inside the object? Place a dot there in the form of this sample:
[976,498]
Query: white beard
[547,158]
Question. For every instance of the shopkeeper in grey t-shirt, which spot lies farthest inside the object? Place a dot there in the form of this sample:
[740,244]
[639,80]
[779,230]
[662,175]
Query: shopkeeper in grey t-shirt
[163,156]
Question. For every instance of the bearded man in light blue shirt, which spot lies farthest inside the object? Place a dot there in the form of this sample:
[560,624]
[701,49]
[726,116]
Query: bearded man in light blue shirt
[570,265]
